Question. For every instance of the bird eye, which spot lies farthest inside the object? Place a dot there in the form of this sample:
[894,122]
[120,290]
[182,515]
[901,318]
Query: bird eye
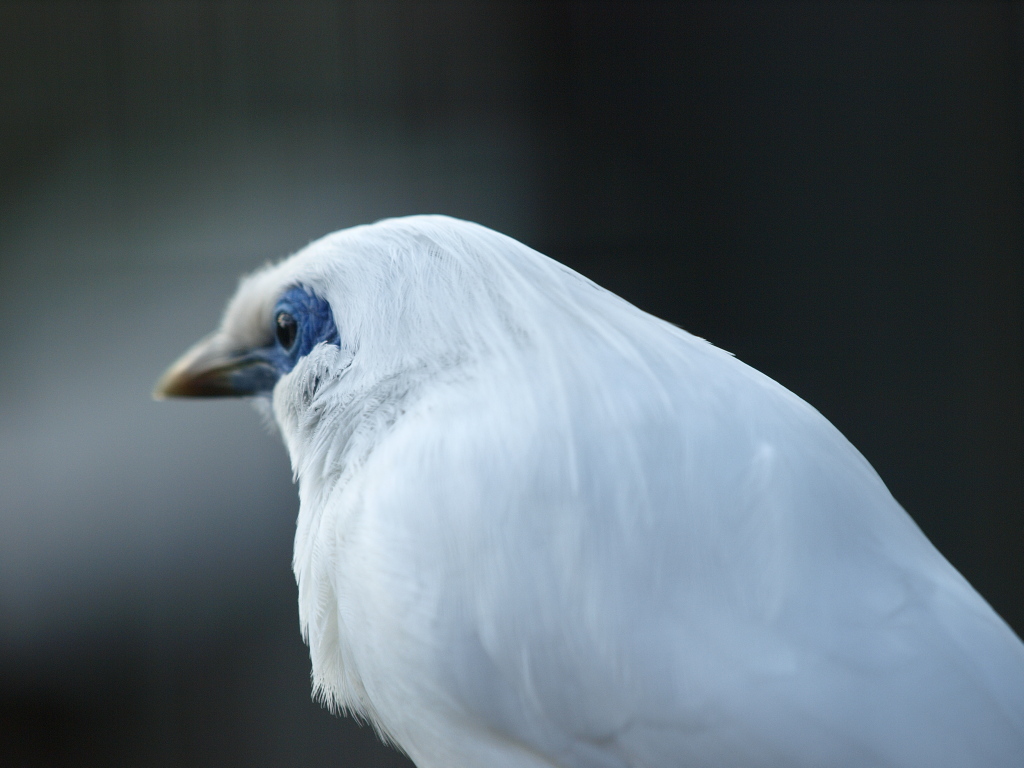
[286,329]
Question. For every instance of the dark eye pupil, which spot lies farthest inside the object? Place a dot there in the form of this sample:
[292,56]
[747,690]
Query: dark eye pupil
[286,329]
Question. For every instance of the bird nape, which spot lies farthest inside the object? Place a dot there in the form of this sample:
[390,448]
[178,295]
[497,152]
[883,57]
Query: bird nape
[540,527]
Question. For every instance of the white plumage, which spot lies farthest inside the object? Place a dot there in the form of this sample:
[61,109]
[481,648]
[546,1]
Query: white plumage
[540,527]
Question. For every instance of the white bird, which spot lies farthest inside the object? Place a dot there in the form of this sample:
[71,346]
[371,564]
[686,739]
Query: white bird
[540,527]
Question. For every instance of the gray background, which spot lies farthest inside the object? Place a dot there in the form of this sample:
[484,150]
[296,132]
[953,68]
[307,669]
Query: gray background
[831,191]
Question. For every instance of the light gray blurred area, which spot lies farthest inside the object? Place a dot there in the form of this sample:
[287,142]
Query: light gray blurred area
[108,274]
[223,138]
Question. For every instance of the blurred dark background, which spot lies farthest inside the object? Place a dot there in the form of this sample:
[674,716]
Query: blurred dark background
[831,191]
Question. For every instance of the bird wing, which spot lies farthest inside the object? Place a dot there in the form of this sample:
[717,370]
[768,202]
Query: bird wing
[676,561]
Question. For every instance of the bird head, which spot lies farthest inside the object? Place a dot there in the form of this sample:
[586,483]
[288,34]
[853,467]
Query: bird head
[266,331]
[389,303]
[397,295]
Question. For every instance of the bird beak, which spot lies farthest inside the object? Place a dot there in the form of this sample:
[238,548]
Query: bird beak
[212,369]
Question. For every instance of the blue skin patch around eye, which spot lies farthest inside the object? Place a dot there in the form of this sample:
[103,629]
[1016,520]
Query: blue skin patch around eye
[301,321]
